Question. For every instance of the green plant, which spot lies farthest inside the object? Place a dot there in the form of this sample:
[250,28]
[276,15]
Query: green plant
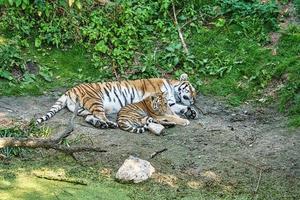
[11,61]
[16,132]
[15,67]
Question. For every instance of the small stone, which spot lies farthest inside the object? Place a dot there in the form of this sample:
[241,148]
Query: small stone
[135,169]
[155,128]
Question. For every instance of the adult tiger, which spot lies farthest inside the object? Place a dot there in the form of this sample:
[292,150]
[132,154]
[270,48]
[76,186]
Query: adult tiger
[98,99]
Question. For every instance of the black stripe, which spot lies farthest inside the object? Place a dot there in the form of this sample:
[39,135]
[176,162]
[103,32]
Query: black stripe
[126,102]
[51,112]
[172,104]
[165,86]
[92,89]
[93,104]
[107,93]
[184,86]
[151,83]
[85,99]
[97,109]
[108,85]
[118,97]
[125,90]
[81,110]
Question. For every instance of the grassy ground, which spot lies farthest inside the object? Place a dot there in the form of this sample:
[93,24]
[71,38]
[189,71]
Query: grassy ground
[66,68]
[252,72]
[19,182]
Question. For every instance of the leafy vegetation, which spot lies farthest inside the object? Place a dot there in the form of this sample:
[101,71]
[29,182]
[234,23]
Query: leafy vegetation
[85,41]
[17,132]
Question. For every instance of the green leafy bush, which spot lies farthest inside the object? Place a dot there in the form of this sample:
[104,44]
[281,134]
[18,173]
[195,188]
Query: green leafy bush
[11,61]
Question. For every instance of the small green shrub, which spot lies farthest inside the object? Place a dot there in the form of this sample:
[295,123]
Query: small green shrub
[15,67]
[11,60]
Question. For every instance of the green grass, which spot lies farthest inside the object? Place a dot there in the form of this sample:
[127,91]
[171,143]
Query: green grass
[18,182]
[256,67]
[17,132]
[67,68]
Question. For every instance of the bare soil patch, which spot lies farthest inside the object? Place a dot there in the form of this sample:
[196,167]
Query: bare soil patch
[226,147]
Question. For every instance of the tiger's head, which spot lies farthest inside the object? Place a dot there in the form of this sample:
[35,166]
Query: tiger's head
[158,103]
[185,93]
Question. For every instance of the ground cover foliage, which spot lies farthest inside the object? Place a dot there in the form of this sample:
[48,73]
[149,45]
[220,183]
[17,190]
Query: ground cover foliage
[49,44]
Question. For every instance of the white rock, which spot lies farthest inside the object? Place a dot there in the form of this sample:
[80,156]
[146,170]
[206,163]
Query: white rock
[135,169]
[155,128]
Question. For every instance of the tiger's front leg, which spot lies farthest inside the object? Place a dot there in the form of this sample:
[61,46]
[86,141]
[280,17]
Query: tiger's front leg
[188,111]
[167,119]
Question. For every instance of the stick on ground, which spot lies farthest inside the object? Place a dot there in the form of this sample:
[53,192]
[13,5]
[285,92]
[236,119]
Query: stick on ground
[62,179]
[50,143]
[157,152]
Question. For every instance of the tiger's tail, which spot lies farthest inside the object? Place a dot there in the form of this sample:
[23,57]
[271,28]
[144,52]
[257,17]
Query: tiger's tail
[135,127]
[59,104]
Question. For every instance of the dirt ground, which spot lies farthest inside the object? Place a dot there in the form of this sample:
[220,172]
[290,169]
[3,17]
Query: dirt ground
[232,147]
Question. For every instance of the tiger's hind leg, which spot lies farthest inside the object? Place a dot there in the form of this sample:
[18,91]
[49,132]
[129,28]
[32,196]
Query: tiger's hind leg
[97,117]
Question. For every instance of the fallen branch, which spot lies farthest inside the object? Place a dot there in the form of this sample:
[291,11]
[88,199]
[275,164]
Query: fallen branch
[157,152]
[62,179]
[179,30]
[50,143]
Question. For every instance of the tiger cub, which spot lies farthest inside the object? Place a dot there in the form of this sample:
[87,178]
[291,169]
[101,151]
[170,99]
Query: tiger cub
[136,117]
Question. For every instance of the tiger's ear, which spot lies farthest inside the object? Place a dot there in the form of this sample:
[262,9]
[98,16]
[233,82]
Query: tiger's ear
[183,77]
[153,98]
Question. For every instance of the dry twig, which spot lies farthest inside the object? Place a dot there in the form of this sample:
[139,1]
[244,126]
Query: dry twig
[50,143]
[157,152]
[179,30]
[261,170]
[62,179]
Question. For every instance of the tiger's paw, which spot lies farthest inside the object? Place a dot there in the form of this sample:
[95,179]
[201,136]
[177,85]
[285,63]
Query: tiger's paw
[101,124]
[186,122]
[191,113]
[112,124]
